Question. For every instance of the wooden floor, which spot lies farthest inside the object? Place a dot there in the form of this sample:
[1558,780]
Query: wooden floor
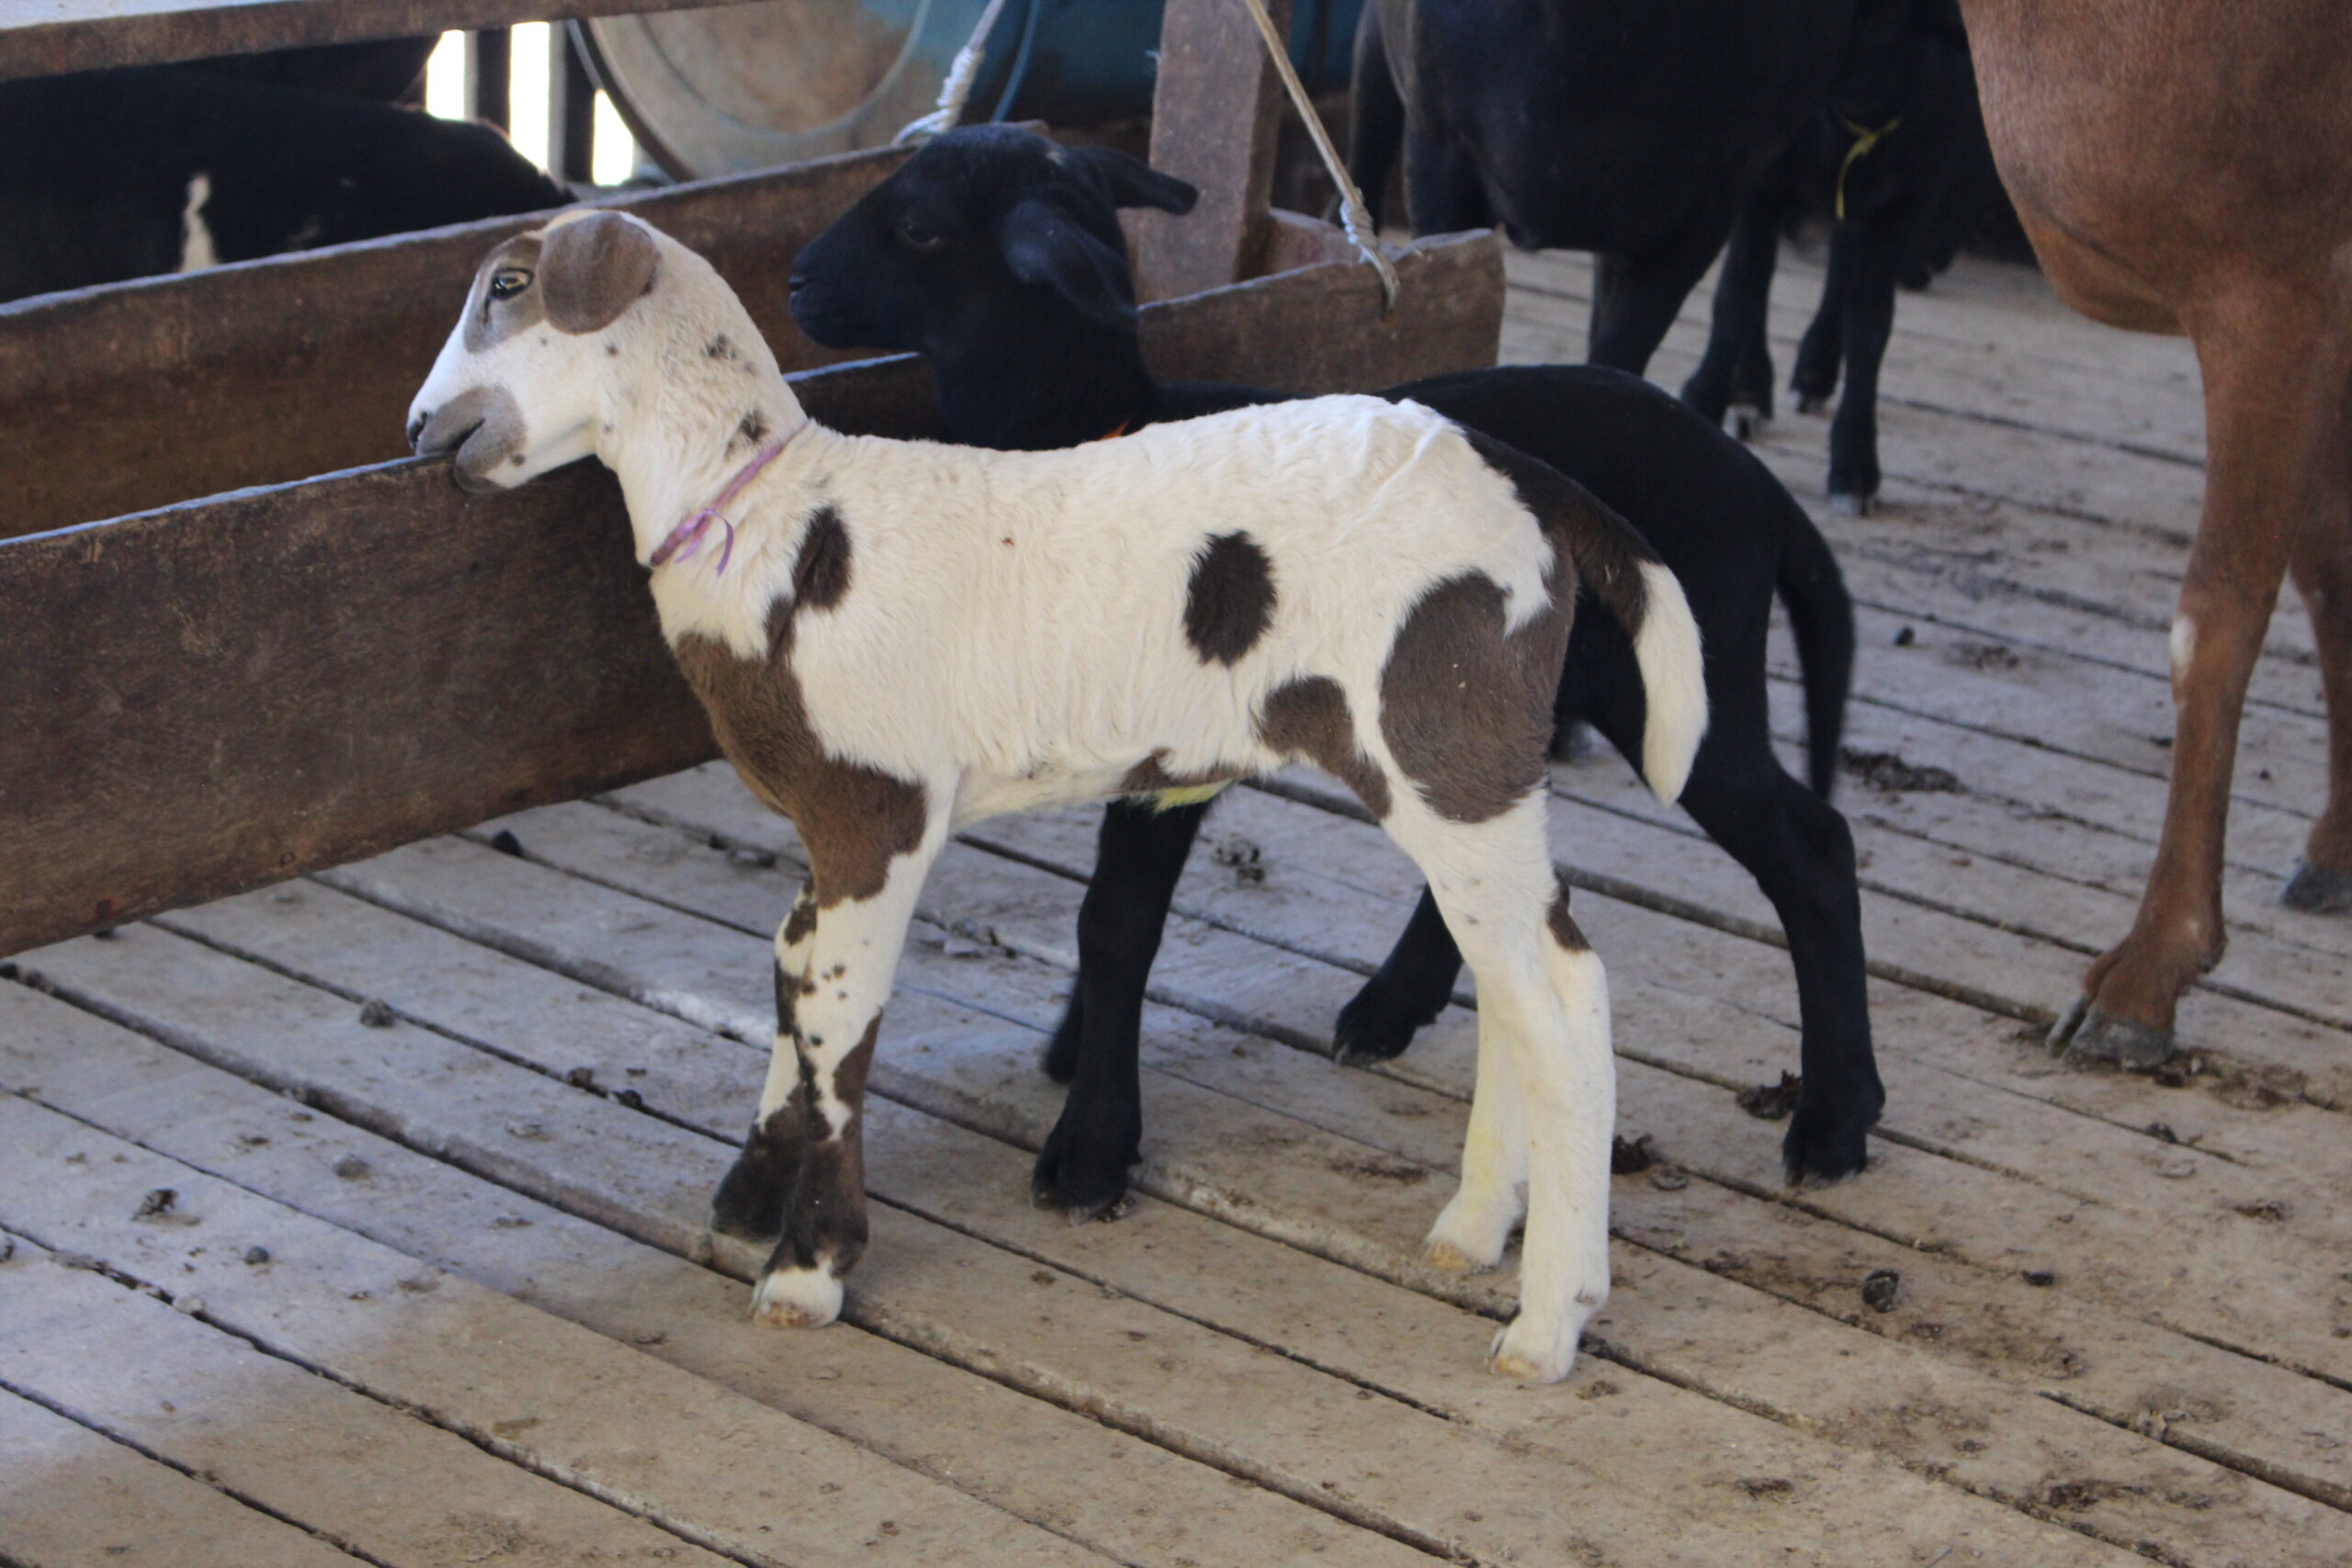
[362,1218]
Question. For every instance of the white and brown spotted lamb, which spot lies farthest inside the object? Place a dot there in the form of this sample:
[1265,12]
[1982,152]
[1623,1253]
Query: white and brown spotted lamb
[894,638]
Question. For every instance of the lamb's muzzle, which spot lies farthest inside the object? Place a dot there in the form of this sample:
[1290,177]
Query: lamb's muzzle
[919,635]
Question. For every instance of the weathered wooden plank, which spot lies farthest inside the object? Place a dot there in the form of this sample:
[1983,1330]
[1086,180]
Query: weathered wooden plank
[47,38]
[1342,1440]
[1636,1431]
[1210,1151]
[120,399]
[71,1498]
[391,1487]
[214,696]
[1215,112]
[561,1400]
[1954,454]
[1977,1307]
[1094,1485]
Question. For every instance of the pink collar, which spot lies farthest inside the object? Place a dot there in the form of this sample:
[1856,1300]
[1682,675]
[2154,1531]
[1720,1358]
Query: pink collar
[686,538]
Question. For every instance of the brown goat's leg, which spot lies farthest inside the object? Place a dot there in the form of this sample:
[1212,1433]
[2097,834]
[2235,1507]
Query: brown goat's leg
[816,1094]
[2323,568]
[2274,372]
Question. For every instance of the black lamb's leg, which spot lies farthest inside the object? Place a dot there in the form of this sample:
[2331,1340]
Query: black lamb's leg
[1802,854]
[1140,854]
[1409,989]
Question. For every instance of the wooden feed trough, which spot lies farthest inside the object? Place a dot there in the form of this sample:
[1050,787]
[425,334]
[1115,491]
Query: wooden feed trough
[296,671]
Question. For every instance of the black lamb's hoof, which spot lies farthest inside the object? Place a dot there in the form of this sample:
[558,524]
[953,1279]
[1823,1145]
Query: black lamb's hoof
[2090,1033]
[748,1203]
[1853,502]
[1376,1026]
[2318,890]
[1828,1140]
[1084,1183]
[1813,402]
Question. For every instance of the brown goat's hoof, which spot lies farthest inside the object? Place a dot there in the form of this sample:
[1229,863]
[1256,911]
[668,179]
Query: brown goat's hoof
[2090,1033]
[2318,890]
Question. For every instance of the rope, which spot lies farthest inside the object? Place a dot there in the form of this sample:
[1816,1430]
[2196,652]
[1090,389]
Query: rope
[954,91]
[1354,217]
[1864,140]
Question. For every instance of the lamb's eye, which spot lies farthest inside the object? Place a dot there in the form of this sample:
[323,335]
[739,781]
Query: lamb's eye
[508,281]
[918,238]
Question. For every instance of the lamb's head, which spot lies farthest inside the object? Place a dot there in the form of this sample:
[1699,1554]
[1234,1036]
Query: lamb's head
[988,230]
[526,377]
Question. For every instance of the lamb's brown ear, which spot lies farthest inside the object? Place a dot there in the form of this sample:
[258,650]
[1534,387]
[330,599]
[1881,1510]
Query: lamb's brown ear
[592,269]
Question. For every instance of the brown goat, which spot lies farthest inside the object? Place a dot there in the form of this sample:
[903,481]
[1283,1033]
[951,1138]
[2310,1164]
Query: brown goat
[2185,166]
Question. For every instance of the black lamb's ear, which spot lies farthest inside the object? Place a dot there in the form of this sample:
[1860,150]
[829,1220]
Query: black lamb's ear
[1042,244]
[1131,182]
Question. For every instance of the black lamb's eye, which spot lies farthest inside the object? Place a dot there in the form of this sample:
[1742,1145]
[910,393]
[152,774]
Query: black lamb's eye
[508,281]
[917,237]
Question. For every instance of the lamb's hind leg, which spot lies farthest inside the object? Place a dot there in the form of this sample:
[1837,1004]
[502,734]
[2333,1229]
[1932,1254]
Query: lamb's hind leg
[1545,1073]
[835,1017]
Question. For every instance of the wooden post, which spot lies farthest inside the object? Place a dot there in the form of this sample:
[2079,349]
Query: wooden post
[1214,119]
[489,75]
[571,110]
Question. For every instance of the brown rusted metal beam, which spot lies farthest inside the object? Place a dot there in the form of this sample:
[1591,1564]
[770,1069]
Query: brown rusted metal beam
[217,695]
[45,38]
[1214,117]
[133,396]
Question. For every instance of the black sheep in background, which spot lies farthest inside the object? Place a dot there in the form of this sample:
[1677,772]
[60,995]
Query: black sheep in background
[115,174]
[1899,163]
[1632,129]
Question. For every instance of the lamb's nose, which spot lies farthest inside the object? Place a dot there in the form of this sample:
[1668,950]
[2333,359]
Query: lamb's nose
[415,431]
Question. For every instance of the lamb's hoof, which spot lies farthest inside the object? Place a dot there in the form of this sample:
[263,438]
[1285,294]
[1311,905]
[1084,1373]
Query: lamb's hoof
[1083,1184]
[1469,1238]
[1747,424]
[1447,1258]
[1373,1028]
[1829,1141]
[1526,1353]
[798,1298]
[1812,403]
[1852,503]
[2318,890]
[2090,1033]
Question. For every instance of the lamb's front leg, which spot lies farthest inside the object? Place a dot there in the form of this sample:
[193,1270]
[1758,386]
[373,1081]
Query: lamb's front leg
[750,1201]
[816,1094]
